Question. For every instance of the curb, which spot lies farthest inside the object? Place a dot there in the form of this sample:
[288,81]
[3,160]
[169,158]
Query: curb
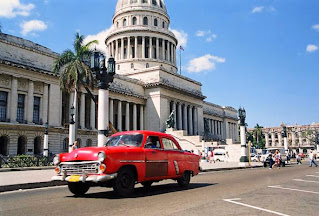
[7,188]
[230,168]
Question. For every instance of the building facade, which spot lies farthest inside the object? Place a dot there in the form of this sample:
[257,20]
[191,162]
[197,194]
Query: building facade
[145,91]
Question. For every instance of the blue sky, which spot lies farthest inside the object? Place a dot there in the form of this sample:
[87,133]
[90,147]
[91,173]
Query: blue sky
[260,54]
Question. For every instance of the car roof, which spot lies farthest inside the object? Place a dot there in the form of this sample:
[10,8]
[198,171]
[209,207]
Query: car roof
[144,132]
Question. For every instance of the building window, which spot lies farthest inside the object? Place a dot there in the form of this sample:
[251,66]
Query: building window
[118,67]
[88,143]
[132,65]
[65,145]
[134,21]
[163,24]
[36,110]
[3,105]
[155,22]
[145,21]
[161,4]
[20,111]
[144,1]
[4,141]
[133,1]
[22,142]
[147,65]
[154,2]
[124,22]
[37,146]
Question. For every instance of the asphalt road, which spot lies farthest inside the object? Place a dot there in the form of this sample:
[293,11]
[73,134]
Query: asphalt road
[292,190]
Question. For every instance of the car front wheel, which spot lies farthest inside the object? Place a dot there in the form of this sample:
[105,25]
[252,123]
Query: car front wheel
[78,188]
[184,180]
[124,182]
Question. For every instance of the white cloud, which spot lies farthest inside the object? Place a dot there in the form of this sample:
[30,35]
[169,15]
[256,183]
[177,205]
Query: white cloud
[204,63]
[101,36]
[13,8]
[181,37]
[258,9]
[316,27]
[208,34]
[312,48]
[200,33]
[32,26]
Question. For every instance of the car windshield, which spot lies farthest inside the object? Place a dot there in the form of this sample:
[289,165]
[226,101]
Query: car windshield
[126,140]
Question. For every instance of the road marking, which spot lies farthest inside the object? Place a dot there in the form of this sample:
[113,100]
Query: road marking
[313,176]
[301,180]
[292,189]
[28,190]
[254,207]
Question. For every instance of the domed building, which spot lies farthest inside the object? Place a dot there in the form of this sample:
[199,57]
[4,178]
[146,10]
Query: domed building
[146,89]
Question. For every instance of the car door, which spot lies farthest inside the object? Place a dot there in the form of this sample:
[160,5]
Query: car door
[155,158]
[176,157]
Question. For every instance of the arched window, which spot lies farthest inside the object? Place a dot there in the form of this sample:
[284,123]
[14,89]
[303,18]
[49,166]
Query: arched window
[161,4]
[155,22]
[4,145]
[145,21]
[22,142]
[147,65]
[132,65]
[163,24]
[124,22]
[134,21]
[154,2]
[37,146]
[88,143]
[65,146]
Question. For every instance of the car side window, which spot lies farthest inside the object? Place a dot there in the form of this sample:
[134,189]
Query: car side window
[152,142]
[169,144]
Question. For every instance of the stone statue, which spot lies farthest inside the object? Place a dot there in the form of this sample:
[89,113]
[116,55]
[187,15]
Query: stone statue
[170,121]
[206,126]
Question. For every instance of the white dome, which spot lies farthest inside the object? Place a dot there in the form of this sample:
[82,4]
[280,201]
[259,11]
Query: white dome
[154,4]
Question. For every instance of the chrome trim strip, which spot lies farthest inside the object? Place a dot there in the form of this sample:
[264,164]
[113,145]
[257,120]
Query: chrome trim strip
[159,161]
[132,161]
[92,178]
[82,162]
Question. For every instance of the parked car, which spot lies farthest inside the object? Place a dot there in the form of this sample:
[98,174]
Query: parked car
[219,155]
[126,159]
[265,159]
[253,157]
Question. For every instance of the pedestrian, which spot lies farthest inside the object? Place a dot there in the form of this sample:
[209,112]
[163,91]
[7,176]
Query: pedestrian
[298,159]
[271,161]
[277,157]
[75,145]
[209,154]
[226,157]
[211,157]
[312,159]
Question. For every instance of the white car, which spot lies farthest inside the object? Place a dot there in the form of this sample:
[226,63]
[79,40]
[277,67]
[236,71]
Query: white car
[283,161]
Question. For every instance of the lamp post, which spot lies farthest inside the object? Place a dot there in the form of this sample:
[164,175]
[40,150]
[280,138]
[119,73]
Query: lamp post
[243,161]
[71,129]
[317,141]
[46,141]
[284,133]
[105,76]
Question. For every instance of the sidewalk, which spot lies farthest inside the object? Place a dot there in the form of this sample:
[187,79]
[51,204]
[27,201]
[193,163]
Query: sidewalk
[29,178]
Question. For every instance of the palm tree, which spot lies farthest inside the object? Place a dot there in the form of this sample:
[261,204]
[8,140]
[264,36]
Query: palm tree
[258,132]
[73,68]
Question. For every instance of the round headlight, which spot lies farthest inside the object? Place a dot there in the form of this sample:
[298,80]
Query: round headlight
[101,156]
[56,160]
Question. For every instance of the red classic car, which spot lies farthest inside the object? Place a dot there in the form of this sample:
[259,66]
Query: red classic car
[126,159]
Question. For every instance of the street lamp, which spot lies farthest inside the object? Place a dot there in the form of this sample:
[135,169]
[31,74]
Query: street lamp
[105,77]
[46,140]
[317,141]
[242,116]
[284,133]
[71,129]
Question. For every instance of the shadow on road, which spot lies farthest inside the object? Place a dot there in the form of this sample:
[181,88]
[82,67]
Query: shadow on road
[145,192]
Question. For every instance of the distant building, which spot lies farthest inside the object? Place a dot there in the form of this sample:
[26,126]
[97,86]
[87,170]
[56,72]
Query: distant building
[146,89]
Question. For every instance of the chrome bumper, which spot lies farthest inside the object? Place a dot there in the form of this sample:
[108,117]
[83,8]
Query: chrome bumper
[84,178]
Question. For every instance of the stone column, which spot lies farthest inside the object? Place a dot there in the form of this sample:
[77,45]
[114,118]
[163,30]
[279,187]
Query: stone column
[141,117]
[30,102]
[279,139]
[163,49]
[267,140]
[14,100]
[112,111]
[151,47]
[273,139]
[92,115]
[157,48]
[195,121]
[119,116]
[300,138]
[179,108]
[134,117]
[127,116]
[171,52]
[122,49]
[82,111]
[190,120]
[135,49]
[175,54]
[293,138]
[117,50]
[143,47]
[45,101]
[174,108]
[185,119]
[128,47]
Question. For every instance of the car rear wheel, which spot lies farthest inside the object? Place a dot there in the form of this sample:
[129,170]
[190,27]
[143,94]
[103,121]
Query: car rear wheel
[78,188]
[185,179]
[124,182]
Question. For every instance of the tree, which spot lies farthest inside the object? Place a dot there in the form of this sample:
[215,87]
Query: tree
[73,68]
[259,141]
